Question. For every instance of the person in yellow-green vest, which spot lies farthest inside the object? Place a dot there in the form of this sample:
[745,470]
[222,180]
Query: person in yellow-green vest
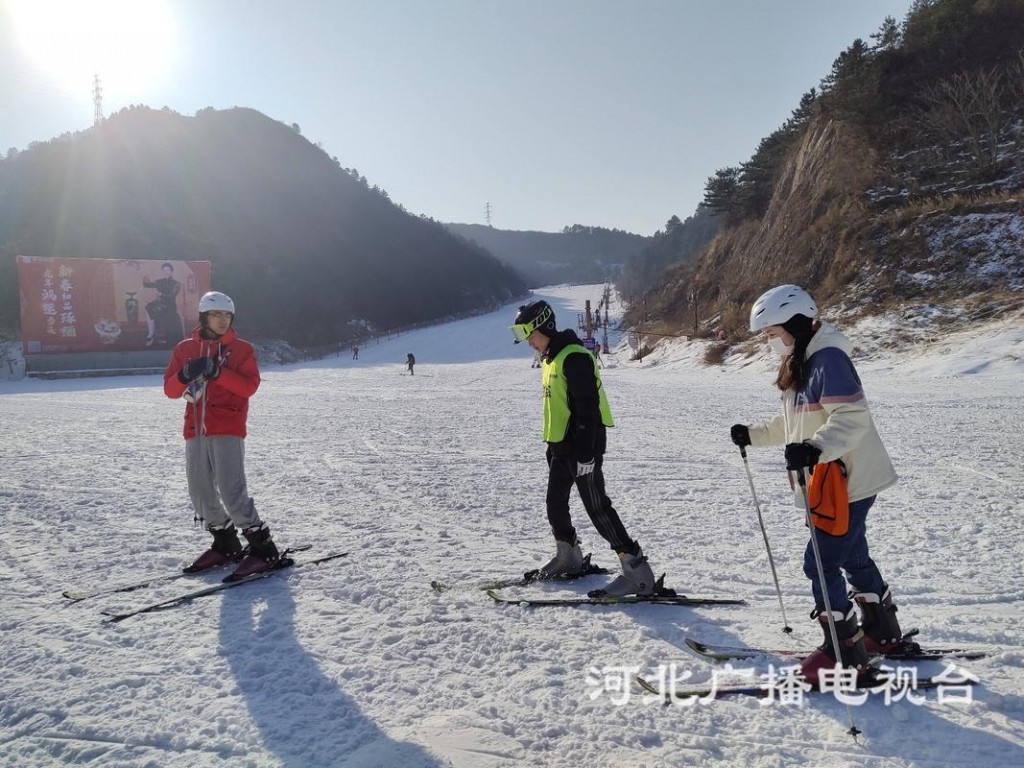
[576,421]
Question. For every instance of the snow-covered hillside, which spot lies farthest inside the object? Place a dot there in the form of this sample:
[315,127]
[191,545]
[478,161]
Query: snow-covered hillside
[441,475]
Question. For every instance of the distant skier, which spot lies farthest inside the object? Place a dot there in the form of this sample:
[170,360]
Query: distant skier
[218,373]
[576,418]
[825,418]
[410,363]
[355,352]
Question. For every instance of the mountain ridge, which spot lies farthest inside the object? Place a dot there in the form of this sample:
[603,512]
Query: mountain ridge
[577,254]
[309,252]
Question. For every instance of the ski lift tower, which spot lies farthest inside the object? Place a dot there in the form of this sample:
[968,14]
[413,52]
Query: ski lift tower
[604,332]
[97,100]
[606,302]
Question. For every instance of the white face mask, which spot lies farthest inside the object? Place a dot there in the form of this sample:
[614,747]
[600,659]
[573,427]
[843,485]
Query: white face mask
[778,347]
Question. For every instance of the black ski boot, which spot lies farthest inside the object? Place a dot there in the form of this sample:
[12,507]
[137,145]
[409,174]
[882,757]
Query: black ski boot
[226,548]
[851,649]
[882,633]
[262,554]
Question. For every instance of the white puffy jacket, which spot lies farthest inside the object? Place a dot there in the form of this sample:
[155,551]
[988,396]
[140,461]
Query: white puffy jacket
[831,413]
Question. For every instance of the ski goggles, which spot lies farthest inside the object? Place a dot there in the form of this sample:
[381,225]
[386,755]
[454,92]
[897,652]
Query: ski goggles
[522,331]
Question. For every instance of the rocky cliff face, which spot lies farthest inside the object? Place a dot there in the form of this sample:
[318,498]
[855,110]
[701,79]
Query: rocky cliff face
[822,229]
[811,233]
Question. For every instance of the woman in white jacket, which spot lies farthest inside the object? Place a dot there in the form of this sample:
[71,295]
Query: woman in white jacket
[825,418]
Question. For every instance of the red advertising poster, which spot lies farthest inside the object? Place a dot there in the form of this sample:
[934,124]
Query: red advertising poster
[91,305]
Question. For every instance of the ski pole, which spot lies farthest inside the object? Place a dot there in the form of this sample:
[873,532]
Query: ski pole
[802,479]
[768,548]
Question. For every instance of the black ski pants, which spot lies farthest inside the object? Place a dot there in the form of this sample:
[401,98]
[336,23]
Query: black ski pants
[561,478]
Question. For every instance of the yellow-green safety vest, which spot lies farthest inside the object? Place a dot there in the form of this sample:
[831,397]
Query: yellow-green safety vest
[556,395]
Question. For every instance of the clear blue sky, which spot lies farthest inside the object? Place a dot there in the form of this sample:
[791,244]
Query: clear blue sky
[602,112]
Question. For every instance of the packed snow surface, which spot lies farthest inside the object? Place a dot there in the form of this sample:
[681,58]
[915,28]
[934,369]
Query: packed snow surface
[441,476]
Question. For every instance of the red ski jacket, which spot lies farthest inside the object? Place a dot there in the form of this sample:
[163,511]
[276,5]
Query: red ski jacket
[224,406]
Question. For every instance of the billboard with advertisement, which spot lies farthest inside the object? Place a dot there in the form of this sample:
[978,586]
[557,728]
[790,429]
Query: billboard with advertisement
[92,305]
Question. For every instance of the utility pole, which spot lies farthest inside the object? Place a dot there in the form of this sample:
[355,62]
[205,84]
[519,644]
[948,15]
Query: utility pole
[97,100]
[487,214]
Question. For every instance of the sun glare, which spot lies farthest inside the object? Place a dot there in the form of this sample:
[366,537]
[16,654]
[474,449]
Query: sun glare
[128,43]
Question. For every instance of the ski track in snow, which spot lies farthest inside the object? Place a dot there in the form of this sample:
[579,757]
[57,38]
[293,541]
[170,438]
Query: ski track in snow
[441,475]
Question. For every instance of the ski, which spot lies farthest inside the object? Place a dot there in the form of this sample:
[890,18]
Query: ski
[78,595]
[530,577]
[787,692]
[656,599]
[187,597]
[906,651]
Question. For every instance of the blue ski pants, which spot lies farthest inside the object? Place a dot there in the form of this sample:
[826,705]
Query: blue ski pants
[847,553]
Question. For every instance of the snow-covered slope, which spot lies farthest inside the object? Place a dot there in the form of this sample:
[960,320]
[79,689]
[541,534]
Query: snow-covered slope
[441,475]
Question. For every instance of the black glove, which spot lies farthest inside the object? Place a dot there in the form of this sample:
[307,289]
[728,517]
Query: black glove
[800,455]
[740,435]
[200,366]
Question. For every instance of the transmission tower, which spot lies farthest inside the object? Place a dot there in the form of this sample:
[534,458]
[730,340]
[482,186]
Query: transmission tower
[487,214]
[97,100]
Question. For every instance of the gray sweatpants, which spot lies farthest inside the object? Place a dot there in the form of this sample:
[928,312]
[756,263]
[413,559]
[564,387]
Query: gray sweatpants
[215,468]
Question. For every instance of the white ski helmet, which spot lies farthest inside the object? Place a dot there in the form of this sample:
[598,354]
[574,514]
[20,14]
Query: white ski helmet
[780,304]
[215,300]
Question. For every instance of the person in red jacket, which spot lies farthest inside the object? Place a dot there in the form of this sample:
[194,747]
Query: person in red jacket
[217,373]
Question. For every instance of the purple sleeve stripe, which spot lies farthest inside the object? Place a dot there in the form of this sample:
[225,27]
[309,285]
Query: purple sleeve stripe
[809,407]
[851,398]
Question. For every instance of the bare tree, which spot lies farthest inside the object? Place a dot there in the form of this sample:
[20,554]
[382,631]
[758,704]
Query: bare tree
[969,107]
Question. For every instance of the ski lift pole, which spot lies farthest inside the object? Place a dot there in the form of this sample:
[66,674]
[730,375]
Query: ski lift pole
[802,480]
[764,533]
